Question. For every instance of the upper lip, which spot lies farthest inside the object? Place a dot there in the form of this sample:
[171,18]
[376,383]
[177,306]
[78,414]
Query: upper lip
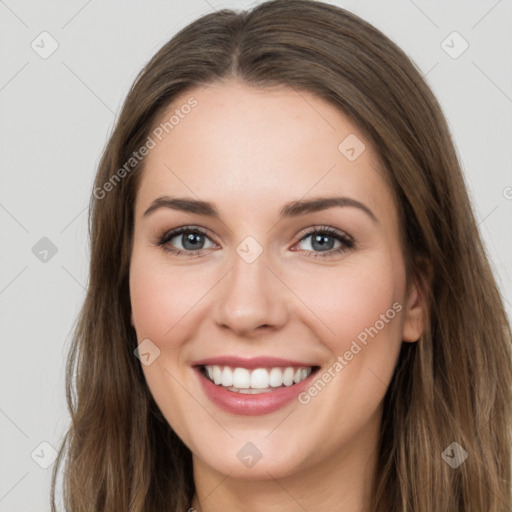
[251,362]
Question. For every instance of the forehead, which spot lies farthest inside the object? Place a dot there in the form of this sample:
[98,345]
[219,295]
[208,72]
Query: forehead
[256,145]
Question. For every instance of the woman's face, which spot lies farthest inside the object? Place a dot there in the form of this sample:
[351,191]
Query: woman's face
[300,329]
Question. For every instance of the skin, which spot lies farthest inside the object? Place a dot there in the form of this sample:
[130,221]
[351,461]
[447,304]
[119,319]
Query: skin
[249,151]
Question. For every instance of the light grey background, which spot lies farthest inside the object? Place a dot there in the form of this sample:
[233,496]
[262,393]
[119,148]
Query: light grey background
[56,114]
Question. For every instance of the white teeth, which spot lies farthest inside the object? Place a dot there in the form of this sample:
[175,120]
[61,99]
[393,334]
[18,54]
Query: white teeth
[241,378]
[258,380]
[217,375]
[251,391]
[276,377]
[227,376]
[288,377]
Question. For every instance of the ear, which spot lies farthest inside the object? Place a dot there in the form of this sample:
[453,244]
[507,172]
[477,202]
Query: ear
[416,306]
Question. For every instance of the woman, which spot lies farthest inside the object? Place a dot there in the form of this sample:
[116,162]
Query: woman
[289,304]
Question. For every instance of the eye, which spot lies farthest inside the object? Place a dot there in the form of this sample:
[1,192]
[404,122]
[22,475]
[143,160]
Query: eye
[324,239]
[191,239]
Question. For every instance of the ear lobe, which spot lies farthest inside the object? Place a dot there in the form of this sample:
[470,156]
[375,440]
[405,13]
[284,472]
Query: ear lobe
[416,310]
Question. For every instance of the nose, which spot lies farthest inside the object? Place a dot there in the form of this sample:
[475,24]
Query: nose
[252,298]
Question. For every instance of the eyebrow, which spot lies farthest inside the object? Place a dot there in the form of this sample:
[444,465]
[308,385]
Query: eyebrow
[292,209]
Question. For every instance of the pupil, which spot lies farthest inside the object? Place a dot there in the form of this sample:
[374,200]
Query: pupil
[192,239]
[321,239]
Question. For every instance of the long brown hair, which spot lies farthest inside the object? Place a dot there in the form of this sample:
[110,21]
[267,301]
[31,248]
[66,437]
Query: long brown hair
[453,385]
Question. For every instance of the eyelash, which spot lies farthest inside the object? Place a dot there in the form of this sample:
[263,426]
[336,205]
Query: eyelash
[346,241]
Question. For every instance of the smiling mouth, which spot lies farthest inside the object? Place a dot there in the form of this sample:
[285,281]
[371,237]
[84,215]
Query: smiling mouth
[258,380]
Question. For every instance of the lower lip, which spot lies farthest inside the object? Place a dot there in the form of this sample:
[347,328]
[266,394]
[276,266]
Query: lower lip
[251,405]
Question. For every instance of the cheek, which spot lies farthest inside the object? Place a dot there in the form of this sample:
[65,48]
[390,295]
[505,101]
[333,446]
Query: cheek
[362,307]
[353,302]
[160,300]
[160,297]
